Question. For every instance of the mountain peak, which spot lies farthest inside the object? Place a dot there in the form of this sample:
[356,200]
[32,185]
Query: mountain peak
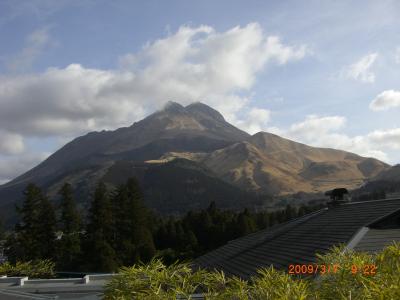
[204,110]
[172,106]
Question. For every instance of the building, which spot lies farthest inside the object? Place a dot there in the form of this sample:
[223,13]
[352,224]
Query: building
[363,226]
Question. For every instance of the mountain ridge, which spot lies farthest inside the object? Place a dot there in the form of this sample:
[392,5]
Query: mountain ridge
[261,163]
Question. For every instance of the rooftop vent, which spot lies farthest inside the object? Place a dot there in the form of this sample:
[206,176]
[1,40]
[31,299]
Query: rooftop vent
[338,196]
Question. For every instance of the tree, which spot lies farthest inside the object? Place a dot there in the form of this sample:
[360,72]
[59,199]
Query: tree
[69,248]
[99,253]
[2,231]
[46,229]
[245,223]
[26,230]
[290,212]
[34,235]
[134,241]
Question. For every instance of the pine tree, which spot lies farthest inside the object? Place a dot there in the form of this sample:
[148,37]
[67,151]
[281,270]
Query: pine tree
[25,244]
[191,241]
[245,224]
[133,237]
[34,236]
[99,253]
[46,229]
[69,248]
[289,213]
[2,231]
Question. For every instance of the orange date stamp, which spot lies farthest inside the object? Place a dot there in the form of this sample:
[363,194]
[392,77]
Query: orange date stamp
[321,269]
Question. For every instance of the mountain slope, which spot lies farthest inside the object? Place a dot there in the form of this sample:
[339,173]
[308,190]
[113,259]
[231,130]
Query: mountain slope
[196,127]
[391,174]
[225,160]
[268,163]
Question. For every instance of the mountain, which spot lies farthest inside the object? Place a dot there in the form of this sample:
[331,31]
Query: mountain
[196,127]
[86,159]
[186,157]
[387,181]
[391,174]
[268,163]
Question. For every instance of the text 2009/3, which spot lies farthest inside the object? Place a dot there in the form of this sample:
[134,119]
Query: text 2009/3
[302,269]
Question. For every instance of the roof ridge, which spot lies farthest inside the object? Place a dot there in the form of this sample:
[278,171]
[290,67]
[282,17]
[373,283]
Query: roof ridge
[382,218]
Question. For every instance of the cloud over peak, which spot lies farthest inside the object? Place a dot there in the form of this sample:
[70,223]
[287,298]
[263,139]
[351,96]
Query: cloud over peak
[191,64]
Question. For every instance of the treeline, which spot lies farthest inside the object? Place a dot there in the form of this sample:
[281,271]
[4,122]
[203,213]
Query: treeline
[377,194]
[118,230]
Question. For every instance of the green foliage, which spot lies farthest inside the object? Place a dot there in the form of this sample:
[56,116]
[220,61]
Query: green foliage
[133,239]
[99,254]
[34,235]
[69,246]
[158,281]
[357,284]
[2,231]
[46,229]
[32,269]
[120,230]
[154,281]
[273,284]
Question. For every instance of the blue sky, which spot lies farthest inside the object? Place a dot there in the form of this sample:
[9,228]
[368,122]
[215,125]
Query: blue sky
[326,73]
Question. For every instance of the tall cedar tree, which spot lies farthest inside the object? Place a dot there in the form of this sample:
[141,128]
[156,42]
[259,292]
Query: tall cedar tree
[2,231]
[34,236]
[47,225]
[99,252]
[69,248]
[27,247]
[134,241]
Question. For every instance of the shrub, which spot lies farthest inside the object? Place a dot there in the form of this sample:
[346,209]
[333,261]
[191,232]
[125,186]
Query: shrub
[32,269]
[157,281]
[350,282]
[154,281]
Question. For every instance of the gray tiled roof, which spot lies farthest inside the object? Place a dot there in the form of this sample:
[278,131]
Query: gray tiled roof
[297,241]
[376,239]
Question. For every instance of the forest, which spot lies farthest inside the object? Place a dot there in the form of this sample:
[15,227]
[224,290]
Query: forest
[118,230]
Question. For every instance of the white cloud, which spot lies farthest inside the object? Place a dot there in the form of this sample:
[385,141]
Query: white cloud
[14,166]
[314,126]
[325,131]
[255,120]
[360,70]
[36,42]
[10,143]
[193,64]
[385,100]
[386,138]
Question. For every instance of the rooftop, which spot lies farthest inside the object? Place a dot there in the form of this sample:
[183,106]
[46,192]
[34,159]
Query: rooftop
[358,225]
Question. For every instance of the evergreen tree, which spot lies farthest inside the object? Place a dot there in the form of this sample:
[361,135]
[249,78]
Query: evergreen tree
[34,236]
[24,244]
[212,208]
[289,213]
[46,229]
[2,231]
[99,253]
[133,237]
[191,240]
[245,224]
[69,248]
